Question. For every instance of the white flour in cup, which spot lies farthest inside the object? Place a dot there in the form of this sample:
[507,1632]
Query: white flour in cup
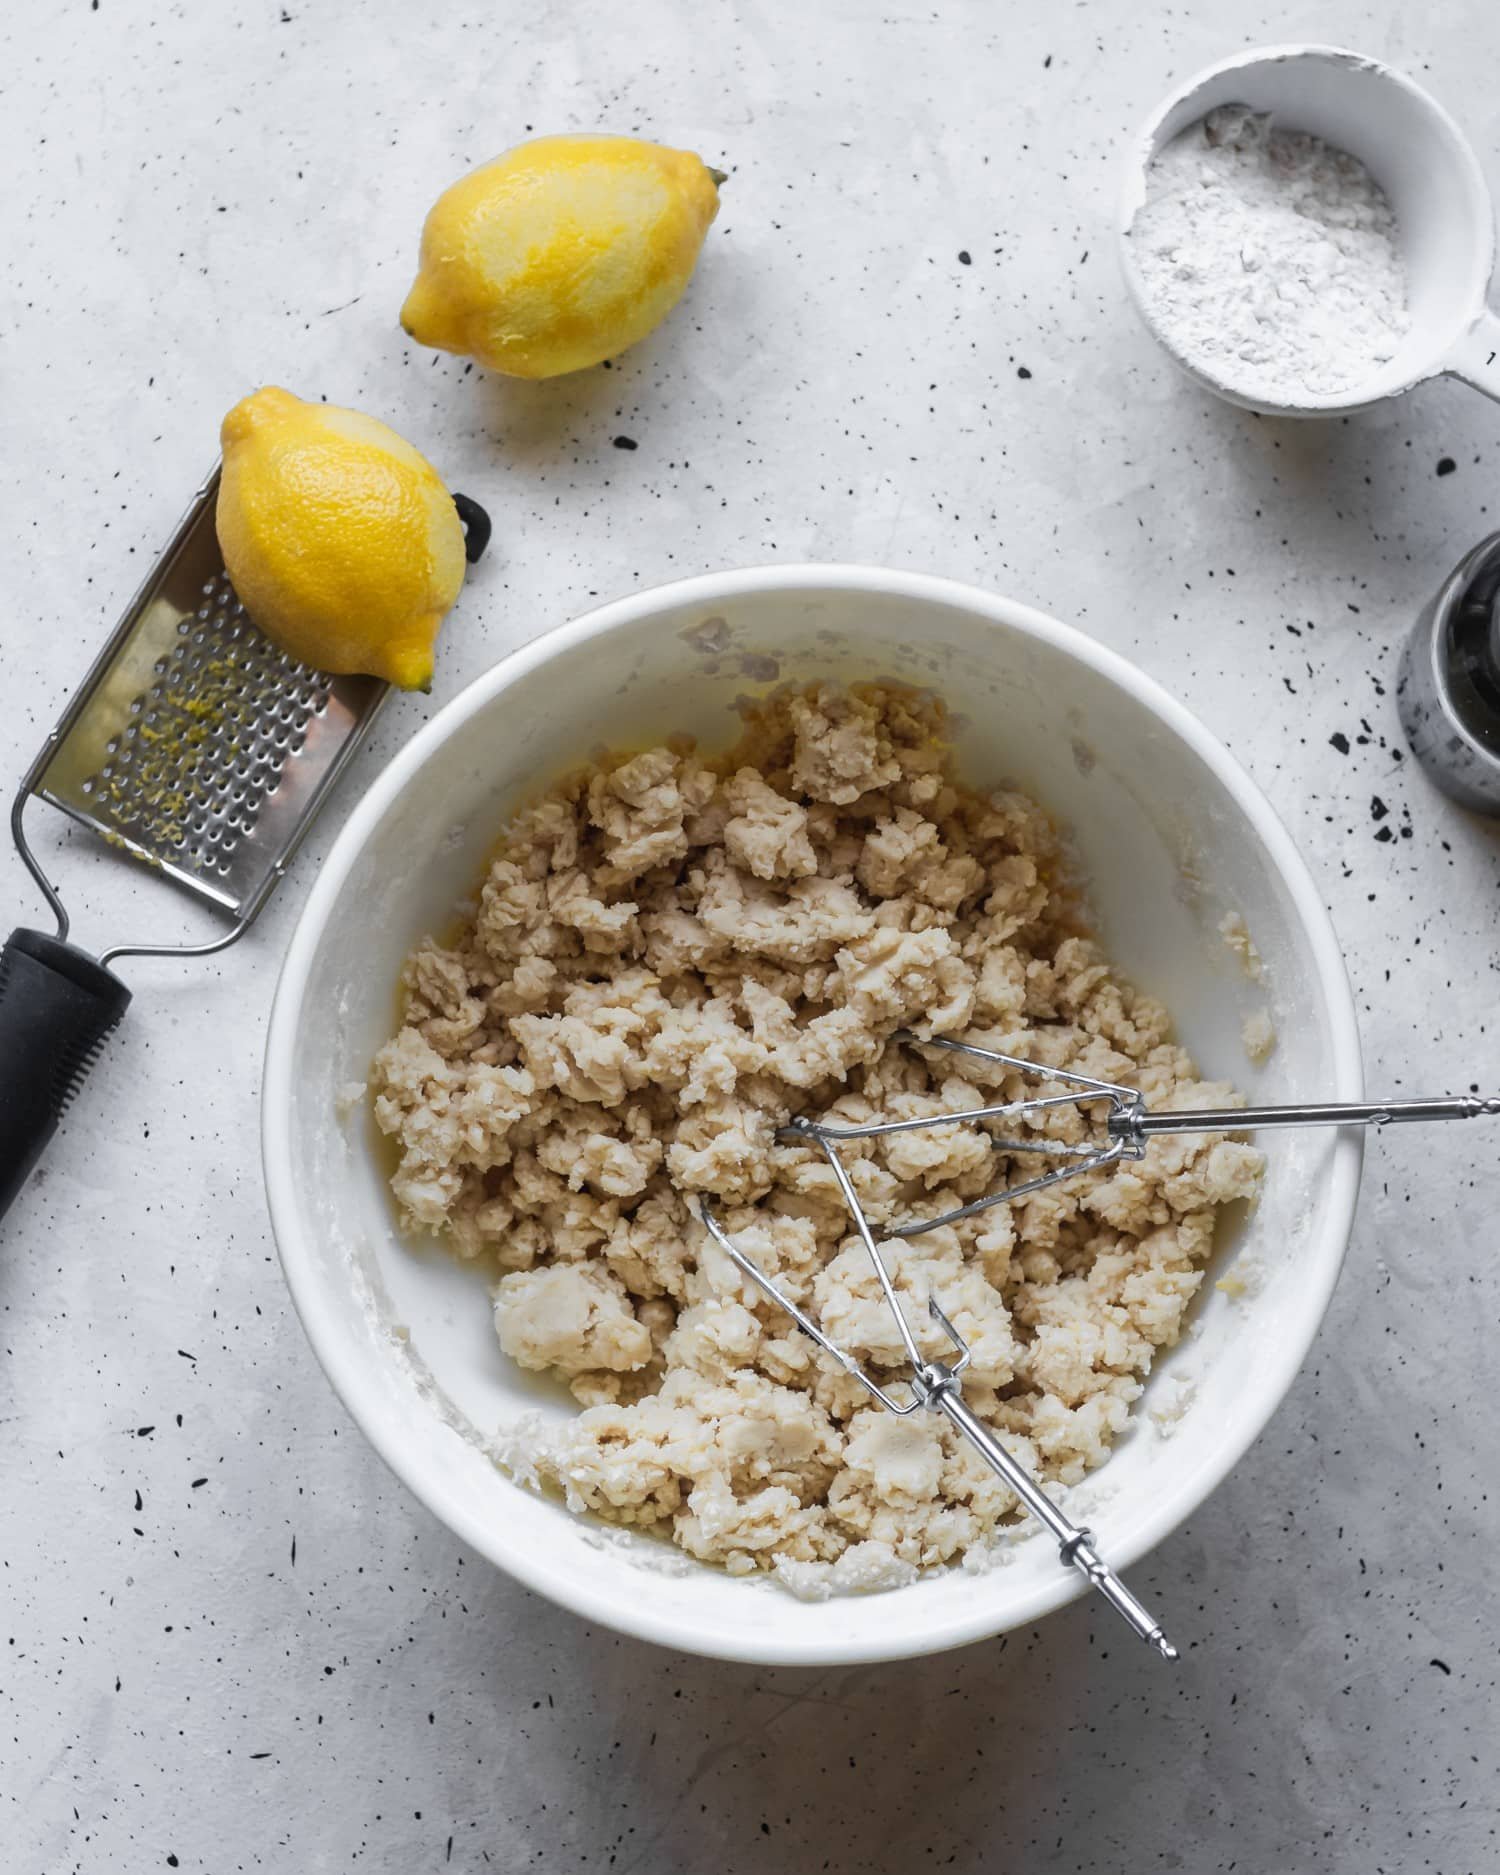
[1269,259]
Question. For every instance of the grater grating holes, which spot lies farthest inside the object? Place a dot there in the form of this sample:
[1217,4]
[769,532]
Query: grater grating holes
[206,742]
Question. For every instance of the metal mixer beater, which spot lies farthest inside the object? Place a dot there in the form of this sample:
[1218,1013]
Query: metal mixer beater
[1128,1125]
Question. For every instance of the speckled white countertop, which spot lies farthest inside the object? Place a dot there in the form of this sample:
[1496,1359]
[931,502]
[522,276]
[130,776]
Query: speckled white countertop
[227,1640]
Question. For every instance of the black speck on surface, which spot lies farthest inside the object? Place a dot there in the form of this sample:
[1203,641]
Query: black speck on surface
[966,259]
[1385,833]
[1441,1665]
[1378,808]
[626,442]
[1022,372]
[1446,465]
[1339,741]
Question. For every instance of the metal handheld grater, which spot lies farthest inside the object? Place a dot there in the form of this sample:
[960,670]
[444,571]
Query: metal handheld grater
[196,747]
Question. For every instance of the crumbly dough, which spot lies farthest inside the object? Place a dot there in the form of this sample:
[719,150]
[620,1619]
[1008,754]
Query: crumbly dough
[669,958]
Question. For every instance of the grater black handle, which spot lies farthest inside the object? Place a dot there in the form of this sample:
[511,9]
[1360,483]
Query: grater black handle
[56,1007]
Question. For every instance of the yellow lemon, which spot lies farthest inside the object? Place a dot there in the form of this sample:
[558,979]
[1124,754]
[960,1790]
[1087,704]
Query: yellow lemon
[340,538]
[560,253]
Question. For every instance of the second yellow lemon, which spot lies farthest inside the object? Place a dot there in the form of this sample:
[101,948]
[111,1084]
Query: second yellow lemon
[340,538]
[560,253]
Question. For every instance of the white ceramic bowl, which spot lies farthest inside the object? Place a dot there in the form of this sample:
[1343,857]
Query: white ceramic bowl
[1172,835]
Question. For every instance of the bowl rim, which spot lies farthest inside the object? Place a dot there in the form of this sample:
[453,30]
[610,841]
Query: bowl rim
[355,1380]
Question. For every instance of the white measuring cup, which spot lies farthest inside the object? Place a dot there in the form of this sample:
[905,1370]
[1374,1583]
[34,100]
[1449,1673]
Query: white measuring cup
[1418,155]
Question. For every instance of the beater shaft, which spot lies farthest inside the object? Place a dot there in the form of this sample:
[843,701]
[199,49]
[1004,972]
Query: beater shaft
[1075,1546]
[1133,1124]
